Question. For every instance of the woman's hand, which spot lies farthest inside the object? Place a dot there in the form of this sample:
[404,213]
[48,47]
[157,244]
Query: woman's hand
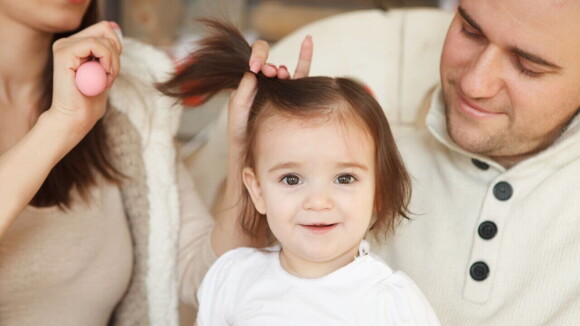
[74,111]
[259,56]
[241,100]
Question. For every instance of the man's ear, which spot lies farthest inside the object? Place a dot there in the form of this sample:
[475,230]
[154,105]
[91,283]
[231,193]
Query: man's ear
[253,185]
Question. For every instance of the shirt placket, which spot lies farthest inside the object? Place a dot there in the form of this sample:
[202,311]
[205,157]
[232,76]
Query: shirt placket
[482,267]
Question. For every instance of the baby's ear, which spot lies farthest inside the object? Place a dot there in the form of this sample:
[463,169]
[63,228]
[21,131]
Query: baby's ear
[253,185]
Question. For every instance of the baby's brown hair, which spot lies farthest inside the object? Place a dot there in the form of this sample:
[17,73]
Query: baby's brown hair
[221,61]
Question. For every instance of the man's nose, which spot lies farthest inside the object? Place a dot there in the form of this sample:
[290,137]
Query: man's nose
[484,76]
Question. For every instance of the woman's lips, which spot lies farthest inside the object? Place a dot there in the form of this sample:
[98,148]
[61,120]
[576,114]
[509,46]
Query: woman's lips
[319,228]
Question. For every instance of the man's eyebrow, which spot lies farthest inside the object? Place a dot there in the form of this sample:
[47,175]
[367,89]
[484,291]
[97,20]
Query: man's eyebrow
[515,50]
[534,58]
[469,19]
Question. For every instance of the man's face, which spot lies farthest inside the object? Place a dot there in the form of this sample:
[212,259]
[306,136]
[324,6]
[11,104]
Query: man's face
[510,73]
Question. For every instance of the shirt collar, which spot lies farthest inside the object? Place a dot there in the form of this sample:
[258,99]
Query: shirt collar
[437,125]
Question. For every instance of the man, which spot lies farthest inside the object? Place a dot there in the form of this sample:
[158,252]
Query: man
[495,235]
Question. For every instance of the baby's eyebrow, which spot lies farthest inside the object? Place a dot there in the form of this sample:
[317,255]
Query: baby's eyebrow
[284,165]
[341,165]
[355,165]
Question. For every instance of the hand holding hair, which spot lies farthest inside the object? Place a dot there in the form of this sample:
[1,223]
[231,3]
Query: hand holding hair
[259,56]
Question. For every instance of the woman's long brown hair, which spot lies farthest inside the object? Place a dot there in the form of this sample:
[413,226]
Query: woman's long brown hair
[79,168]
[220,62]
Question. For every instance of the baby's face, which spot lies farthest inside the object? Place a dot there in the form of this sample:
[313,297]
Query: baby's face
[315,181]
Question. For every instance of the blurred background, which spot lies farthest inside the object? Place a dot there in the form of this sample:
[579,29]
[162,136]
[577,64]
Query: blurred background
[165,22]
[171,26]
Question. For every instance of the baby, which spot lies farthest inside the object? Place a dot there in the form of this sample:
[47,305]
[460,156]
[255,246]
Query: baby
[321,171]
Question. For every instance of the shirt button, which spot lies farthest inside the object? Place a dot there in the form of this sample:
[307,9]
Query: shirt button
[487,230]
[481,165]
[503,191]
[479,271]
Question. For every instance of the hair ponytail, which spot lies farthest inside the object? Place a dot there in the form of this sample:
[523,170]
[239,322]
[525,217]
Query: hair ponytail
[218,64]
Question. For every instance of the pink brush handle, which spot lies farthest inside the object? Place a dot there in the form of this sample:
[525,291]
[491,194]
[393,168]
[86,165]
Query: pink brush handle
[91,78]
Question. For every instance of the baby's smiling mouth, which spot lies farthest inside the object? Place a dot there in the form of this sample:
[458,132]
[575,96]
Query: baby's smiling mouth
[319,227]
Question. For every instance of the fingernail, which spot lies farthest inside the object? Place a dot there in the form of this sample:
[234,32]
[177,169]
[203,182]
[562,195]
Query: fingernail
[119,34]
[117,30]
[255,66]
[283,67]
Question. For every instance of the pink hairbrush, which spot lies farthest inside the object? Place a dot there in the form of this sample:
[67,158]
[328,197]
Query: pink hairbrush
[91,78]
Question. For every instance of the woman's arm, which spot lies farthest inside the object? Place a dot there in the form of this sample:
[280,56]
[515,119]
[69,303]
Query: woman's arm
[227,233]
[25,166]
[196,253]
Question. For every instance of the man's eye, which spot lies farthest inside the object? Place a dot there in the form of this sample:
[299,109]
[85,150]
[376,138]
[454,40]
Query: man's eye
[345,179]
[471,33]
[291,180]
[525,71]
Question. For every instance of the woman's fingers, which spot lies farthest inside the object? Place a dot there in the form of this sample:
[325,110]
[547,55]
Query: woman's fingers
[243,97]
[260,50]
[72,52]
[239,106]
[100,41]
[103,29]
[269,70]
[283,72]
[304,59]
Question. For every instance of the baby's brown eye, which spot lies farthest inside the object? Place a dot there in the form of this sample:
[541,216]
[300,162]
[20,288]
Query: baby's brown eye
[345,179]
[291,180]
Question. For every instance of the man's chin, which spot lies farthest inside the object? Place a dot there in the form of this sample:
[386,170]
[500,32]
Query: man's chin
[470,139]
[465,132]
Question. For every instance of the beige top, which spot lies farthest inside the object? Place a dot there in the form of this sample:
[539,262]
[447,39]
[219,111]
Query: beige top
[66,268]
[72,268]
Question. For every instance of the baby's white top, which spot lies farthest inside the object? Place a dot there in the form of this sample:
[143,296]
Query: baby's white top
[249,287]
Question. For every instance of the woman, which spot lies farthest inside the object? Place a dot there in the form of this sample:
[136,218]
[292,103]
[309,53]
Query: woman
[95,227]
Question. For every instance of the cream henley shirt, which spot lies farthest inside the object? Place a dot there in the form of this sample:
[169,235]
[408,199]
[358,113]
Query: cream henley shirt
[489,245]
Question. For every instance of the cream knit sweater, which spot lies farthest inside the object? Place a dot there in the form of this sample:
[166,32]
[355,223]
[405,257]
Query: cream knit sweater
[491,246]
[171,227]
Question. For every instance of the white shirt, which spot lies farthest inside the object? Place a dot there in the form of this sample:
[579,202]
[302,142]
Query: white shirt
[248,287]
[524,269]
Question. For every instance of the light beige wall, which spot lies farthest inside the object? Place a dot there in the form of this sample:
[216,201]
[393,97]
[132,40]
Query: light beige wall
[152,21]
